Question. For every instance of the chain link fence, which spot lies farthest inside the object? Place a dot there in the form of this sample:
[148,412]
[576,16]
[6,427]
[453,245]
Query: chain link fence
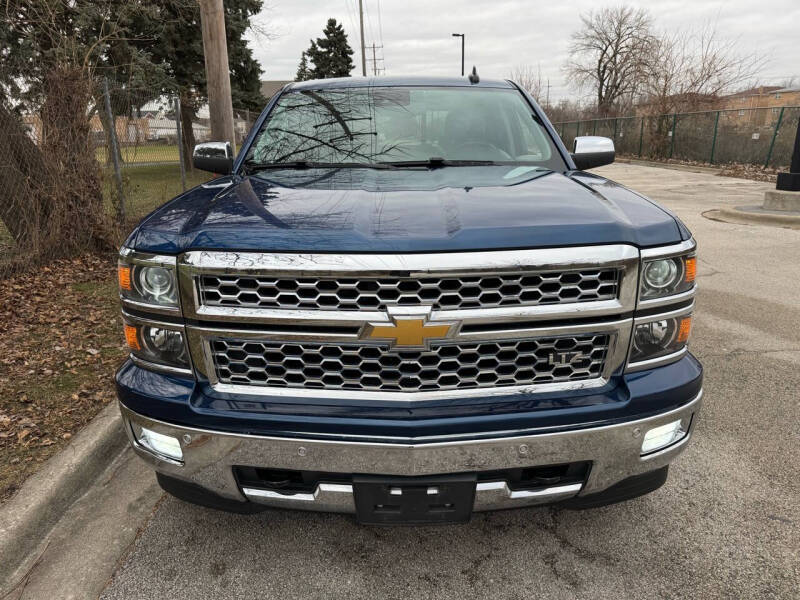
[152,139]
[758,136]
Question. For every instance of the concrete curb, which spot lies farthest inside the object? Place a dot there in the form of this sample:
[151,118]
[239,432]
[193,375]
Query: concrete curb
[29,516]
[753,215]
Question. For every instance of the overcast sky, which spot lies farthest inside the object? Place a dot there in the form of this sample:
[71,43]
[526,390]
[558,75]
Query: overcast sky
[416,34]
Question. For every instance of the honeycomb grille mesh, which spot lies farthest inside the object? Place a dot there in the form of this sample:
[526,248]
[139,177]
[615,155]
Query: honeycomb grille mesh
[377,368]
[443,293]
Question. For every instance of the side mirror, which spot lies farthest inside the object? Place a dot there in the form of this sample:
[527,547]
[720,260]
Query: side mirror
[216,157]
[592,151]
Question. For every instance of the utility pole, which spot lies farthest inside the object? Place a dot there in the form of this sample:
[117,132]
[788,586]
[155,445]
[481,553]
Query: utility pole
[218,80]
[375,68]
[547,101]
[363,51]
[461,35]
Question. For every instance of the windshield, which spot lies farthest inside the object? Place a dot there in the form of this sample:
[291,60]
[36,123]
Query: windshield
[402,124]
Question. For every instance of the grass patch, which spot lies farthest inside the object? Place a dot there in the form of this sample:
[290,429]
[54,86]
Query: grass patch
[145,153]
[149,186]
[93,290]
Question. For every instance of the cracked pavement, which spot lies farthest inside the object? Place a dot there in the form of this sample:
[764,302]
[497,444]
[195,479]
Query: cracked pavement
[726,524]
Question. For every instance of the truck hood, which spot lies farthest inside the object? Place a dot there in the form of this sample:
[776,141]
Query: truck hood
[420,210]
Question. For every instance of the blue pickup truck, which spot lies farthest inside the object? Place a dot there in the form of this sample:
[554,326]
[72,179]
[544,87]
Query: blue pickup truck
[404,299]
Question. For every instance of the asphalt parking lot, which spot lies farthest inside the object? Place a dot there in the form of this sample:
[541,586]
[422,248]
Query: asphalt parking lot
[726,524]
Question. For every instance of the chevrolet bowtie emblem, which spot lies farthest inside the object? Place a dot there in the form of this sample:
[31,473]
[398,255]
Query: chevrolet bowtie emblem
[409,332]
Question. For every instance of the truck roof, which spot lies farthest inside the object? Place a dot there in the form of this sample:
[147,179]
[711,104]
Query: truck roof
[396,81]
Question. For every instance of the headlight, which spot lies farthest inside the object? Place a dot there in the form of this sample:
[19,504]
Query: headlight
[659,274]
[148,279]
[158,284]
[668,276]
[158,344]
[659,337]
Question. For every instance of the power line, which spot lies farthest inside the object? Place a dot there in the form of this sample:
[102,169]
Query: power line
[350,16]
[380,33]
[368,20]
[380,23]
[375,47]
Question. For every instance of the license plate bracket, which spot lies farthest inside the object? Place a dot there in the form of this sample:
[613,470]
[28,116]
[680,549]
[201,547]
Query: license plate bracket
[414,500]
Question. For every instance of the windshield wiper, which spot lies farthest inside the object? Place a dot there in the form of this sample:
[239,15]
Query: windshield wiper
[304,164]
[436,162]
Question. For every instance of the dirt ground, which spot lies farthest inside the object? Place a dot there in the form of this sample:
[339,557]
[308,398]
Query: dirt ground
[60,338]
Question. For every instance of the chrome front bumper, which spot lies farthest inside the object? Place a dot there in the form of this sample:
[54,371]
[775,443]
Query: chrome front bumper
[209,457]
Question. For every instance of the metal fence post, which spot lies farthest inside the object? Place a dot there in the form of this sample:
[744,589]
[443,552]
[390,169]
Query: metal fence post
[615,129]
[180,140]
[714,141]
[112,125]
[641,137]
[672,141]
[774,136]
[594,131]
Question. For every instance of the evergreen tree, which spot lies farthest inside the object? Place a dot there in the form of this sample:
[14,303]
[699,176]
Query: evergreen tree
[303,71]
[177,44]
[332,54]
[245,70]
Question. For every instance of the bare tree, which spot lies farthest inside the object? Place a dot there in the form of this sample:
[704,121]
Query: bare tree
[689,70]
[608,53]
[529,79]
[567,109]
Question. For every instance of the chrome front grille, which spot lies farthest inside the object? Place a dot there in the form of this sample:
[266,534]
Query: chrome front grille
[441,293]
[492,323]
[445,366]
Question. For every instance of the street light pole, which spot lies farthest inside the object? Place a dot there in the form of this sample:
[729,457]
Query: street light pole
[461,35]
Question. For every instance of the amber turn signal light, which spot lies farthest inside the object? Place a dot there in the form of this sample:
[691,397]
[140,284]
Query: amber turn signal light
[132,337]
[691,269]
[685,329]
[124,277]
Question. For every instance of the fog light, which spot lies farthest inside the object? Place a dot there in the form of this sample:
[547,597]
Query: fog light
[662,436]
[166,445]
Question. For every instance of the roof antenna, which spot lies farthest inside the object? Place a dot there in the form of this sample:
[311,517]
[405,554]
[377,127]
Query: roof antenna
[473,77]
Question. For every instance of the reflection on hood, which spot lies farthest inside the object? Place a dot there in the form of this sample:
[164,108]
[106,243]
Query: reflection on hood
[405,210]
